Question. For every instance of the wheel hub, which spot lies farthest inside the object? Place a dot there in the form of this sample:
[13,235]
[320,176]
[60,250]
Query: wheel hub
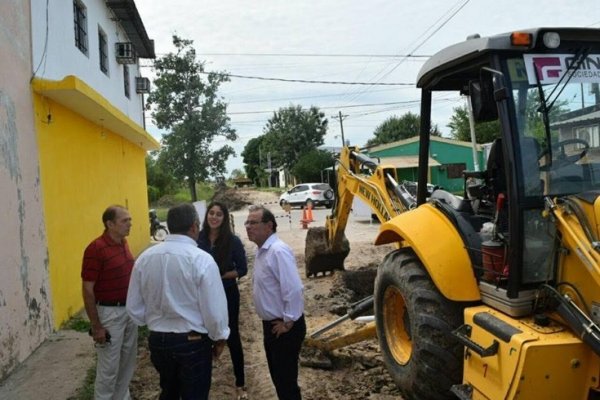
[397,325]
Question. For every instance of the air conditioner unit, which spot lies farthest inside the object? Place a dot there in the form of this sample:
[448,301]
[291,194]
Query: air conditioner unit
[125,53]
[142,85]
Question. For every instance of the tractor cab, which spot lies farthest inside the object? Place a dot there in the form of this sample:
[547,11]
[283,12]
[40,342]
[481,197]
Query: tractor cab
[541,88]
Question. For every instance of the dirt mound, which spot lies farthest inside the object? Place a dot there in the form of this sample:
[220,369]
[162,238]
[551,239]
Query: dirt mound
[233,198]
[319,256]
[238,198]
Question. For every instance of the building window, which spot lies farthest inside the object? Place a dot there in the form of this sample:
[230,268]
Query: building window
[590,134]
[455,170]
[126,80]
[103,51]
[80,19]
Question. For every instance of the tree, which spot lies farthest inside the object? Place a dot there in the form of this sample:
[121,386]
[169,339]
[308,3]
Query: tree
[310,166]
[398,128]
[159,180]
[485,132]
[291,133]
[190,109]
[252,162]
[237,173]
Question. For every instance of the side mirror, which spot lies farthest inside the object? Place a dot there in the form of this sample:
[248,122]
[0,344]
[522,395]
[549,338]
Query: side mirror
[481,94]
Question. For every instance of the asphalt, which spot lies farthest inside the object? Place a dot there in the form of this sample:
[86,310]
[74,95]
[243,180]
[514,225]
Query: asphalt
[54,371]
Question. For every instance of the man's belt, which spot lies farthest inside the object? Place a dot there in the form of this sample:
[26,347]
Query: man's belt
[113,303]
[191,336]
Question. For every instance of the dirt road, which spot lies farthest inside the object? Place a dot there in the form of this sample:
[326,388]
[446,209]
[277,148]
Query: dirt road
[358,371]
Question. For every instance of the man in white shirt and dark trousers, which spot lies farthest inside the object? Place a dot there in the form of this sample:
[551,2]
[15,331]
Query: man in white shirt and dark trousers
[279,301]
[176,290]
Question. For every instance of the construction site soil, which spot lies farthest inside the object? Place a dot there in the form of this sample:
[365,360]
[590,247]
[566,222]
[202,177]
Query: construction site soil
[58,368]
[357,371]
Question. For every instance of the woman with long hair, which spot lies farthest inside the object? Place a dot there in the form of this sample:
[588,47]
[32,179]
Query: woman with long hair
[227,249]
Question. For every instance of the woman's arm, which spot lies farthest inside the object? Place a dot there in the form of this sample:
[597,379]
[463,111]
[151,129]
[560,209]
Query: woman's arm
[238,257]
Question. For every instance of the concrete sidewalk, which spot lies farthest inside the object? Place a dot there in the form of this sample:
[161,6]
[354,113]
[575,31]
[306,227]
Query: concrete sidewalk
[54,371]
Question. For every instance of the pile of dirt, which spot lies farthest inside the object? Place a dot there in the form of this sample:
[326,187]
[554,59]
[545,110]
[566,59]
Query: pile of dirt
[319,257]
[237,198]
[233,198]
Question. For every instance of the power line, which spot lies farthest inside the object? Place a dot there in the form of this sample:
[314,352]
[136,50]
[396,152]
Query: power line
[298,97]
[309,81]
[311,55]
[333,107]
[383,75]
[317,55]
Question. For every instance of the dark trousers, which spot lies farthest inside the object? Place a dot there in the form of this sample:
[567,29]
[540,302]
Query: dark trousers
[282,357]
[184,363]
[234,342]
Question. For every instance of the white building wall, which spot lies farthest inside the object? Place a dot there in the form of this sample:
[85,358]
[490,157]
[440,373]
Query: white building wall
[55,55]
[25,312]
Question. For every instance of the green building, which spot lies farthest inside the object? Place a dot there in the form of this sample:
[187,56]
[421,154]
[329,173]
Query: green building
[448,158]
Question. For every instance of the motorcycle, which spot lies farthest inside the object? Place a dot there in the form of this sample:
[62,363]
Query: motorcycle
[158,231]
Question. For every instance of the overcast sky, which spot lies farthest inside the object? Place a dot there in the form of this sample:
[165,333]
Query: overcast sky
[342,41]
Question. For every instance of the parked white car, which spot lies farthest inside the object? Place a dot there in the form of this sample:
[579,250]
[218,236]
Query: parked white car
[305,194]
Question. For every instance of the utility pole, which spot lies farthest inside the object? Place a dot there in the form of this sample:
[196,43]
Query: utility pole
[472,129]
[341,118]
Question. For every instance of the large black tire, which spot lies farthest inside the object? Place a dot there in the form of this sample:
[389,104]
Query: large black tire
[328,194]
[160,234]
[414,322]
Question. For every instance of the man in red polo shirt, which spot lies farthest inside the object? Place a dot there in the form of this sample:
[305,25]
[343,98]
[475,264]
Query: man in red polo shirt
[107,265]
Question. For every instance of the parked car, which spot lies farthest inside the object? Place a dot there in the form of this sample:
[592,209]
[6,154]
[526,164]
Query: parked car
[305,194]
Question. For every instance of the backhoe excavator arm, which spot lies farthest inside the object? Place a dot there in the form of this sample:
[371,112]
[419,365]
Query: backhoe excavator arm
[357,175]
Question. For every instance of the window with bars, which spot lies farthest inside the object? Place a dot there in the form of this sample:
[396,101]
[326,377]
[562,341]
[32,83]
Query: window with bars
[80,24]
[103,51]
[126,80]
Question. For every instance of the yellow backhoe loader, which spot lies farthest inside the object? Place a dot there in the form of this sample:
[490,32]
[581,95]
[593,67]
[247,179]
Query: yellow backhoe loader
[505,302]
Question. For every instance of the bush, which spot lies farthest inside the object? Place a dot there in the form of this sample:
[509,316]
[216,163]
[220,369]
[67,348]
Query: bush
[153,193]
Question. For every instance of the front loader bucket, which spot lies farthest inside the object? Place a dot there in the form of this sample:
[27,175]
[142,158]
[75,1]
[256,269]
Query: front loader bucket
[319,256]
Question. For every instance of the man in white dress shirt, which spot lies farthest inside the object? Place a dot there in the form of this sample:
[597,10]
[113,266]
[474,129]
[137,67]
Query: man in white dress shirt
[279,301]
[176,290]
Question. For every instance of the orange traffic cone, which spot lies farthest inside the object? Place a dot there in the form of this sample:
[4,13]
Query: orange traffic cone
[309,215]
[304,221]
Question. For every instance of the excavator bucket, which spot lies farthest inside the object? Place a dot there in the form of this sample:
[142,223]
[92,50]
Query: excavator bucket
[319,256]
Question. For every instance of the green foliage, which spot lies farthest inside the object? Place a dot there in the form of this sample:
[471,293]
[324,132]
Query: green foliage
[237,173]
[485,132]
[189,107]
[143,333]
[398,128]
[251,156]
[205,192]
[86,392]
[310,165]
[182,195]
[77,323]
[291,133]
[153,194]
[160,182]
[535,125]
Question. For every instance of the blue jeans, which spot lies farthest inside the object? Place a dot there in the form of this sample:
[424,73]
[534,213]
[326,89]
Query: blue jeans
[184,363]
[234,341]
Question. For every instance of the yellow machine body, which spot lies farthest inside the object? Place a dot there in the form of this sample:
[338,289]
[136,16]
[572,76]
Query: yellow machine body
[532,362]
[439,246]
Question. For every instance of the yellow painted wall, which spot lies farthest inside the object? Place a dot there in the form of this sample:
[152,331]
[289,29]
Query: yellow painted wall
[83,168]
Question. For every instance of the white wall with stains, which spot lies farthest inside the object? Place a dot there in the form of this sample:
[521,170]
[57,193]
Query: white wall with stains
[25,312]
